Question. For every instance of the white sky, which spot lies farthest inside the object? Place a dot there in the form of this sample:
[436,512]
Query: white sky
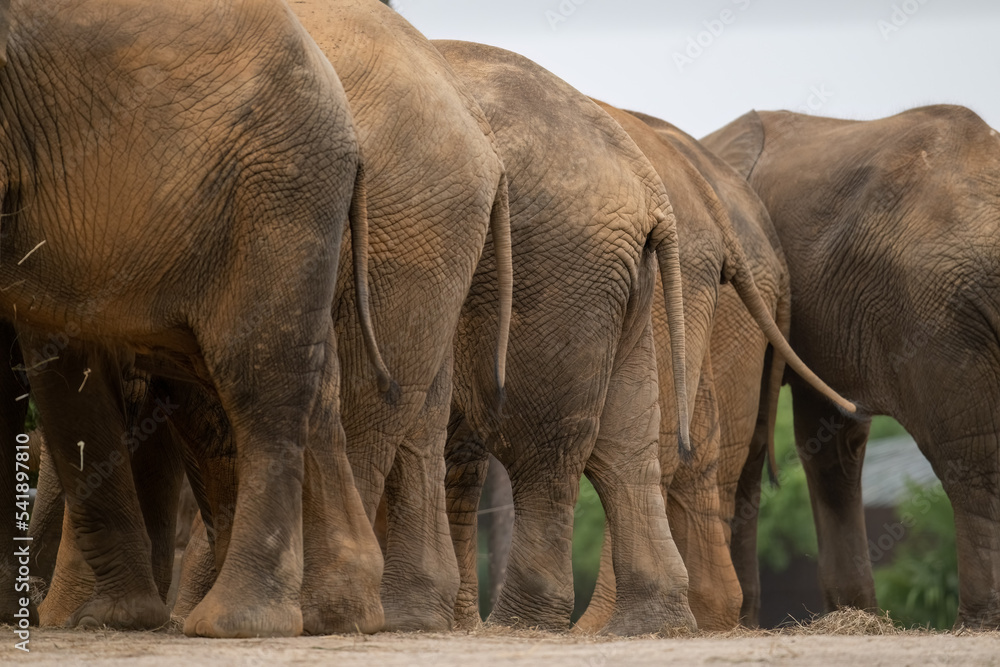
[772,54]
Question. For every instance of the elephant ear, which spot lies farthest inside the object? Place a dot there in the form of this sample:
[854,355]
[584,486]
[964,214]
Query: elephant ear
[4,30]
[740,143]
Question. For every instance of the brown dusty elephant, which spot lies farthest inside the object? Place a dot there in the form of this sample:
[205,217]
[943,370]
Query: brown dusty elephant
[219,273]
[735,283]
[589,222]
[435,190]
[890,231]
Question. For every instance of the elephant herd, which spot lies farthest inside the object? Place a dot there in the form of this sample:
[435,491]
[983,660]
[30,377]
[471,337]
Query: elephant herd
[190,190]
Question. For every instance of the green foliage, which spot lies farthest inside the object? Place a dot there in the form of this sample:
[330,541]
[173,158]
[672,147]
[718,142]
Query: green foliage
[31,421]
[785,526]
[588,537]
[920,586]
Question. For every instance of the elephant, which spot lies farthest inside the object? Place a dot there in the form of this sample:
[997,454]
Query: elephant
[101,101]
[735,285]
[889,229]
[435,189]
[589,223]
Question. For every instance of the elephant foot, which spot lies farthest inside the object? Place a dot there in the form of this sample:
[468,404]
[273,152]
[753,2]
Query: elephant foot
[410,611]
[467,616]
[220,615]
[146,612]
[420,596]
[668,616]
[533,601]
[986,619]
[534,618]
[343,616]
[589,623]
[599,611]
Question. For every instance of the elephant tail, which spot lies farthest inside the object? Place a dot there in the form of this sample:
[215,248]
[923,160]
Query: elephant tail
[769,394]
[741,278]
[500,233]
[668,258]
[359,251]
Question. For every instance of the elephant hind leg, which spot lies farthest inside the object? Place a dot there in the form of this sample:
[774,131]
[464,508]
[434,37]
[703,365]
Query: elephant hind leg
[743,541]
[467,463]
[650,578]
[421,579]
[260,580]
[197,570]
[831,447]
[970,474]
[342,560]
[538,588]
[695,515]
[545,482]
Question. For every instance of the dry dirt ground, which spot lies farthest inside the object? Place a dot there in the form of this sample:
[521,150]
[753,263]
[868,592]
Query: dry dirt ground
[495,648]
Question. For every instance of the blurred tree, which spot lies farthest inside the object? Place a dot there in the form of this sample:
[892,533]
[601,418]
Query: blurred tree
[920,586]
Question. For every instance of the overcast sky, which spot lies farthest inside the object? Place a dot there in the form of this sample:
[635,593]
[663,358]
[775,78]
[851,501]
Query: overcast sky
[701,64]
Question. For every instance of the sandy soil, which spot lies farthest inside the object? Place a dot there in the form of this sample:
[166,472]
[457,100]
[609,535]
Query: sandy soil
[71,647]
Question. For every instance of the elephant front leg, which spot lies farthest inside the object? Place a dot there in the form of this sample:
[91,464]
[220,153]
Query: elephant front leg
[602,602]
[421,579]
[832,449]
[46,519]
[84,429]
[198,571]
[343,561]
[651,581]
[467,463]
[158,471]
[71,583]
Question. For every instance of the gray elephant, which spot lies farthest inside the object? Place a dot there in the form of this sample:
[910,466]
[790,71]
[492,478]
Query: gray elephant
[889,228]
[589,223]
[220,273]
